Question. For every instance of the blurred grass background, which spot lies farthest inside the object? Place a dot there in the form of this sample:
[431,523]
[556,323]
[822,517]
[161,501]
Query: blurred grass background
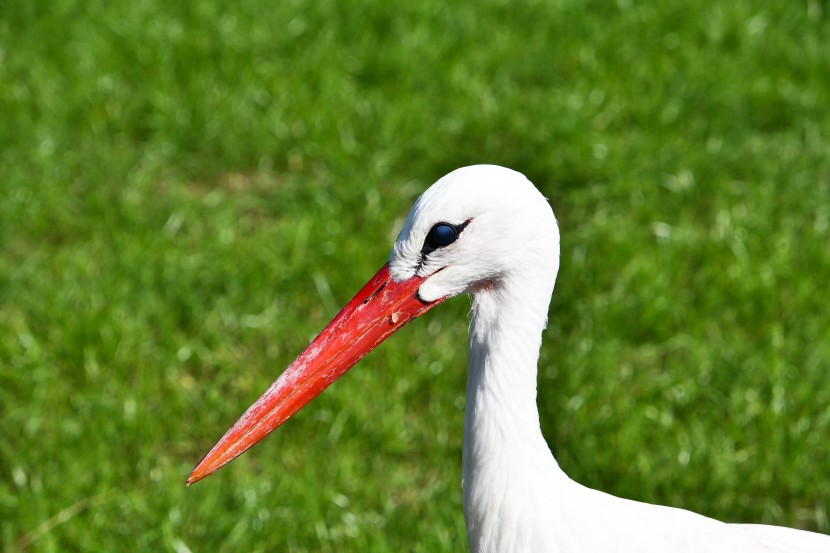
[189,191]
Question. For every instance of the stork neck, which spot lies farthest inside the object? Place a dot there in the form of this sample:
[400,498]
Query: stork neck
[505,337]
[508,469]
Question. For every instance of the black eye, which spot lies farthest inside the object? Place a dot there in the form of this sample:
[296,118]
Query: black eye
[441,235]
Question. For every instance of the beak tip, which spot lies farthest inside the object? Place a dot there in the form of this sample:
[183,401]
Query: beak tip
[197,474]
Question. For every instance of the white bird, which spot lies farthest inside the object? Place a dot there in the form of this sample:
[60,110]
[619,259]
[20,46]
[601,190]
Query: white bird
[486,231]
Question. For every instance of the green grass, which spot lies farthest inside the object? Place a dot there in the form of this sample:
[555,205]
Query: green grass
[188,192]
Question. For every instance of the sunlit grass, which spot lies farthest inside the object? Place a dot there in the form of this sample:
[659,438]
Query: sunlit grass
[191,190]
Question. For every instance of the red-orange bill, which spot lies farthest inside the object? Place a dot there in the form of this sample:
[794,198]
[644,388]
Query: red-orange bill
[380,308]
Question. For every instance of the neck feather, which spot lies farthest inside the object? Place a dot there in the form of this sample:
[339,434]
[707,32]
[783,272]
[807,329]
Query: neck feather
[507,465]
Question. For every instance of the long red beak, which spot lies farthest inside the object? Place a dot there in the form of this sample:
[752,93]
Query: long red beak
[380,308]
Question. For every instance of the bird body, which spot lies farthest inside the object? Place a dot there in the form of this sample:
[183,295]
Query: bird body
[487,231]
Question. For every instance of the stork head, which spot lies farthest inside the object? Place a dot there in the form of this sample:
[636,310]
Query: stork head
[478,229]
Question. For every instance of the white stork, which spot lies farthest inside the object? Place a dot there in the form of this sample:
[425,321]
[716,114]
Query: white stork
[486,231]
